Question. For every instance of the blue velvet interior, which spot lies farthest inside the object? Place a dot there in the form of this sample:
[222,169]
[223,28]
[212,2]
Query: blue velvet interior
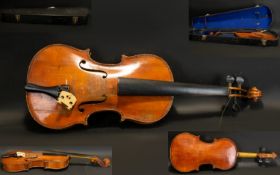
[259,17]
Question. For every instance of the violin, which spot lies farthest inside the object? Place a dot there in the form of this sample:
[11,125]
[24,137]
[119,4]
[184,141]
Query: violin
[17,161]
[263,36]
[188,153]
[257,35]
[65,86]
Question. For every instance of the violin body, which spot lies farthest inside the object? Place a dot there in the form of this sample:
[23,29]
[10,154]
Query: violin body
[95,86]
[188,153]
[34,160]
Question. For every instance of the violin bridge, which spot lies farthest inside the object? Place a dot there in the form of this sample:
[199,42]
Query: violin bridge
[67,98]
[20,154]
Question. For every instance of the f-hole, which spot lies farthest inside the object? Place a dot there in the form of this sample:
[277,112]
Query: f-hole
[83,62]
[81,109]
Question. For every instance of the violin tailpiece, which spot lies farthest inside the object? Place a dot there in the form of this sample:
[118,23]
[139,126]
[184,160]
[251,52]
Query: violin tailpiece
[60,93]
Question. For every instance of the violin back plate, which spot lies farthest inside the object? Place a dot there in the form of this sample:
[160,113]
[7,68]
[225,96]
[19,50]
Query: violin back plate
[188,153]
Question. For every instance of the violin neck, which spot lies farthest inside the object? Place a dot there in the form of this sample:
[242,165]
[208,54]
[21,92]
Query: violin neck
[247,155]
[272,155]
[140,87]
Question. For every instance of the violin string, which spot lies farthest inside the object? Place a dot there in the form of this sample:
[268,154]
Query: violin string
[223,111]
[93,159]
[71,153]
[64,152]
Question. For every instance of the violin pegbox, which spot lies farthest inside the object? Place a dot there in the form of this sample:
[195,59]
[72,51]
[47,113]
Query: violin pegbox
[266,158]
[236,90]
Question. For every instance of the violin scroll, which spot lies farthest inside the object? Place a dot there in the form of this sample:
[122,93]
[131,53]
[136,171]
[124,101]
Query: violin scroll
[106,162]
[265,157]
[252,93]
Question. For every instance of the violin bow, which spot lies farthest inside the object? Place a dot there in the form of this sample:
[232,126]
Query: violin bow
[106,162]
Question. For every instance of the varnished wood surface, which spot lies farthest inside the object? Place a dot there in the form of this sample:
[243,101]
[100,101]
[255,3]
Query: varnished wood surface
[14,164]
[188,153]
[59,65]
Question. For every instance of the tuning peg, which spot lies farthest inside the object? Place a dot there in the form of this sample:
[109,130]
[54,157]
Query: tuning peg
[239,81]
[263,149]
[230,79]
[265,162]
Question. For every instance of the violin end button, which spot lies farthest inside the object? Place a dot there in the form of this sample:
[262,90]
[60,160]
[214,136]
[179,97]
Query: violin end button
[122,119]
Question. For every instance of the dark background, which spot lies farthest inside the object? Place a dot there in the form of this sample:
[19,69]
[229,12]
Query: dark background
[131,27]
[76,166]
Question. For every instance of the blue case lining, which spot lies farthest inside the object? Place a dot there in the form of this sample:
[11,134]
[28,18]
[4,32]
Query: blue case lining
[258,18]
